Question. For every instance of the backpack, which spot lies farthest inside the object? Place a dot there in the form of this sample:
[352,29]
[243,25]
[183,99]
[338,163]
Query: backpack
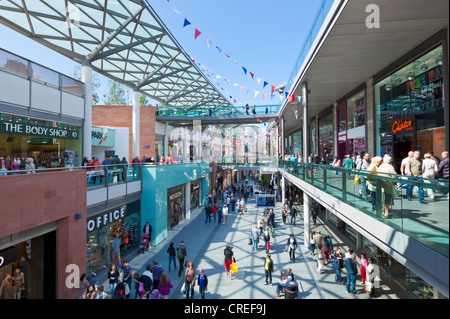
[180,252]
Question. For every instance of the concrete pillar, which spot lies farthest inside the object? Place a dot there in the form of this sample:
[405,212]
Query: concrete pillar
[197,139]
[136,115]
[306,218]
[86,77]
[187,200]
[283,189]
[305,134]
[370,118]
[282,138]
[166,140]
[335,128]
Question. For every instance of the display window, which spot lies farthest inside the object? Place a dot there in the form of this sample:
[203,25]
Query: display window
[49,144]
[175,206]
[410,108]
[195,194]
[123,223]
[326,137]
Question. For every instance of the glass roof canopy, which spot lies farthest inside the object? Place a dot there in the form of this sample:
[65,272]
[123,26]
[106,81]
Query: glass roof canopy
[123,40]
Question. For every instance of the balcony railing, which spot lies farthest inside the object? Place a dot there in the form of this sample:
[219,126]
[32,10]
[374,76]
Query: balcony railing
[220,111]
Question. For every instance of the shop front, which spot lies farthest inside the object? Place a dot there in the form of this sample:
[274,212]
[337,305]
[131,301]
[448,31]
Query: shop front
[196,187]
[29,268]
[326,138]
[175,206]
[351,126]
[50,144]
[410,108]
[122,222]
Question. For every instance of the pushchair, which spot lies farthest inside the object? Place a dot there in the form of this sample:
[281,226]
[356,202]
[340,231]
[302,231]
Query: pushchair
[144,244]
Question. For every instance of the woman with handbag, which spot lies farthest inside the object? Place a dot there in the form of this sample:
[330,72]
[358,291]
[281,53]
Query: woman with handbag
[189,279]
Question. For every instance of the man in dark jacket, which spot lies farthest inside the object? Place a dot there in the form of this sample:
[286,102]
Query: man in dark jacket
[444,169]
[208,212]
[352,271]
[293,214]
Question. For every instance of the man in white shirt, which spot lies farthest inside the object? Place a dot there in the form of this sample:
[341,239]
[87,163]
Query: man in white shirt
[404,168]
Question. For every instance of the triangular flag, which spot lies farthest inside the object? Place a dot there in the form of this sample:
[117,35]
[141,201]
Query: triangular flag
[241,88]
[197,33]
[208,41]
[227,55]
[252,75]
[286,94]
[293,97]
[273,89]
[256,93]
[186,23]
[259,80]
[176,11]
[264,95]
[264,85]
[219,49]
[245,70]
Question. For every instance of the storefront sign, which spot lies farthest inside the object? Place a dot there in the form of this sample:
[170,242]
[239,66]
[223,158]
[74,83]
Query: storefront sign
[8,255]
[175,195]
[7,127]
[103,137]
[104,219]
[403,125]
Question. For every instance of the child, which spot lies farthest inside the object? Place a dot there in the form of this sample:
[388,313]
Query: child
[136,284]
[141,286]
[202,283]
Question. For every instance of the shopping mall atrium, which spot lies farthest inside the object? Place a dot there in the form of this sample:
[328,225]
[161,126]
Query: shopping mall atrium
[341,144]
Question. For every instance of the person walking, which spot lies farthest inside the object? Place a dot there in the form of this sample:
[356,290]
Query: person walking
[352,271]
[208,213]
[202,282]
[181,254]
[370,277]
[414,165]
[363,267]
[268,269]
[172,253]
[147,278]
[255,233]
[225,214]
[372,181]
[325,249]
[113,276]
[312,242]
[319,260]
[125,275]
[157,272]
[219,214]
[362,166]
[189,280]
[242,206]
[387,186]
[266,237]
[430,171]
[291,246]
[164,286]
[443,170]
[338,264]
[229,259]
[293,215]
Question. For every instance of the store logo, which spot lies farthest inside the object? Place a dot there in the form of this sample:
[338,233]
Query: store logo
[73,279]
[105,219]
[399,126]
[373,19]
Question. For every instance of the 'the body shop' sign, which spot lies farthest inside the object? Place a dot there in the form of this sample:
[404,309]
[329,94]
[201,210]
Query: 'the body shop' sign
[36,130]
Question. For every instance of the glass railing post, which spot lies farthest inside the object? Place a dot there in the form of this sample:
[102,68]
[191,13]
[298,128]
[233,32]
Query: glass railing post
[325,183]
[344,186]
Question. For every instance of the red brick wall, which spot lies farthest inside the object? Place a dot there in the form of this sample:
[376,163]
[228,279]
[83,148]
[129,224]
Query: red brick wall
[32,200]
[122,116]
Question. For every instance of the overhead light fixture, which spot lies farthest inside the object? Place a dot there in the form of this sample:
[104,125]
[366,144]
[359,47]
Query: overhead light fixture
[439,60]
[410,76]
[398,81]
[424,67]
[388,87]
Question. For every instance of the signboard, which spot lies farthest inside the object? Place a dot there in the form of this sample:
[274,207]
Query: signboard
[265,200]
[403,125]
[106,218]
[8,127]
[103,136]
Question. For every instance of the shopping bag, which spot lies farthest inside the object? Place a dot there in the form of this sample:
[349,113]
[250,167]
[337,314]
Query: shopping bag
[127,289]
[234,268]
[250,241]
[357,180]
[183,289]
[268,245]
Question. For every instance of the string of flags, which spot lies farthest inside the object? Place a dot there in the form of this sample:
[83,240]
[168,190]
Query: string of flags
[212,75]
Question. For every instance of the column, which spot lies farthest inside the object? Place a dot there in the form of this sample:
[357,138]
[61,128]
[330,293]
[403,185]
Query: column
[370,118]
[197,139]
[336,130]
[187,201]
[283,189]
[166,140]
[306,218]
[282,138]
[136,122]
[86,77]
[305,134]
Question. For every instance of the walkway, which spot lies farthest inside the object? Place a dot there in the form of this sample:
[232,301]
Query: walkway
[205,243]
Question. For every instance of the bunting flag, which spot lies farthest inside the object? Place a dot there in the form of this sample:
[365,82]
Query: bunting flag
[264,85]
[208,41]
[176,11]
[273,89]
[258,80]
[256,93]
[186,23]
[245,70]
[197,33]
[252,75]
[264,95]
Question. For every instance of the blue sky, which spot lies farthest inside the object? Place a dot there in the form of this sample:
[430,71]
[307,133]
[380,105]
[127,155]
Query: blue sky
[263,36]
